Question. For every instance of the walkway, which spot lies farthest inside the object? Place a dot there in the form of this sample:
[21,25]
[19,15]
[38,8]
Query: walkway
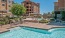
[29,24]
[39,25]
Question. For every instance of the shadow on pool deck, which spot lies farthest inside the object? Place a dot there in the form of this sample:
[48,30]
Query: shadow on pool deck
[56,24]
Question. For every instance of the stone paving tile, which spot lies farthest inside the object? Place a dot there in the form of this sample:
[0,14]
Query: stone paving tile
[29,24]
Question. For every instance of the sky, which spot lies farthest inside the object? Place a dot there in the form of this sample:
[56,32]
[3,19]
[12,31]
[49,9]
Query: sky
[45,5]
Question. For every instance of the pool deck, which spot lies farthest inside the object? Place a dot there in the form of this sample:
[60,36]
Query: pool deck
[39,25]
[7,27]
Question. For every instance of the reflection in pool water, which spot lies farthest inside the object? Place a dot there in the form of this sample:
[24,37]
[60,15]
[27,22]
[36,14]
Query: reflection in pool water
[26,32]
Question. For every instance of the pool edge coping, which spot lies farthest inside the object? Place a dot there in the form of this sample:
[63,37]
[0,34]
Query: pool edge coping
[31,27]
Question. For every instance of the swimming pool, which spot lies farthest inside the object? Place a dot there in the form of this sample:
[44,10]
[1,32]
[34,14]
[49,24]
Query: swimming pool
[27,32]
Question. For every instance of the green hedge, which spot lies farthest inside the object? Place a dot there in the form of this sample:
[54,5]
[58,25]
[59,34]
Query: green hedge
[63,15]
[52,19]
[44,21]
[2,22]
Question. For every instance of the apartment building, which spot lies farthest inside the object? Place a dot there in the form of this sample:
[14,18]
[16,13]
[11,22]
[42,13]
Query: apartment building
[58,8]
[61,4]
[31,7]
[5,6]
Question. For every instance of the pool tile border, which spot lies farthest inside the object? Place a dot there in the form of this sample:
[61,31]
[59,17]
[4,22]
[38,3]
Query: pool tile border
[30,27]
[4,31]
[41,28]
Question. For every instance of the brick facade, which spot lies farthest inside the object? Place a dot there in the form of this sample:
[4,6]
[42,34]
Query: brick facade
[59,7]
[31,7]
[61,4]
[56,6]
[5,6]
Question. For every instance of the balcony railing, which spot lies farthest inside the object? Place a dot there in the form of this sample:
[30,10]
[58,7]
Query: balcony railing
[3,11]
[62,9]
[3,0]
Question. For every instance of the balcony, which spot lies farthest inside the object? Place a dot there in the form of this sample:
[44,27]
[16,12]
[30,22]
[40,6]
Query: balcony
[3,11]
[62,9]
[4,0]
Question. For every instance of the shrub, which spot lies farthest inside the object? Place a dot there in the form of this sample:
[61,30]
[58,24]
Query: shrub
[44,21]
[2,22]
[63,15]
[52,19]
[18,9]
[4,19]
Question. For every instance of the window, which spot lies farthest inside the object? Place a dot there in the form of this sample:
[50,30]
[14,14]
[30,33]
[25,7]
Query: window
[27,6]
[9,6]
[9,1]
[30,12]
[30,9]
[27,3]
[3,4]
[27,9]
[3,0]
[30,6]
[27,12]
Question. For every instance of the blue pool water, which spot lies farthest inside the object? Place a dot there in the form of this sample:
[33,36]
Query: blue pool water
[26,32]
